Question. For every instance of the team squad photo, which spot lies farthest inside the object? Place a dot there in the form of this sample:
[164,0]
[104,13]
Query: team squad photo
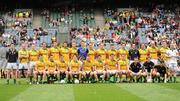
[89,50]
[84,64]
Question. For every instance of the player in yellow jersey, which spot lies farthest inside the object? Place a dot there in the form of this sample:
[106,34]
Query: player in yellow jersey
[33,58]
[73,50]
[113,68]
[62,67]
[143,54]
[123,52]
[51,68]
[44,52]
[88,69]
[23,60]
[113,51]
[91,51]
[153,52]
[65,52]
[40,70]
[123,67]
[99,66]
[55,52]
[163,52]
[74,68]
[102,52]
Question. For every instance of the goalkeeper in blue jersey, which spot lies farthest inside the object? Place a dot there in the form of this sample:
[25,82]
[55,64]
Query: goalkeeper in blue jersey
[82,51]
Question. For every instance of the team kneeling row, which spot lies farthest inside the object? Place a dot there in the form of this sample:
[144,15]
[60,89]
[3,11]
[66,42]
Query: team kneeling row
[86,71]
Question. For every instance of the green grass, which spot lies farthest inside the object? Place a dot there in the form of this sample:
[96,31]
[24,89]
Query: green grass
[102,92]
[91,92]
[9,91]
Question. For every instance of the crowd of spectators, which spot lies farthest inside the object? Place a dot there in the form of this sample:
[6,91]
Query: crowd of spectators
[59,19]
[134,26]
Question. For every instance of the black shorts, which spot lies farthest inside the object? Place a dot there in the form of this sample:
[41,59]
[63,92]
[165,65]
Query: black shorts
[162,74]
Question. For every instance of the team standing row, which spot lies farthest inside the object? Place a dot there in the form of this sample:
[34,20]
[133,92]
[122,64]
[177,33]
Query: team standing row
[86,62]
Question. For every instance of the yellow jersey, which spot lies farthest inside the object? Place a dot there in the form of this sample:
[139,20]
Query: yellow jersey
[75,65]
[54,51]
[112,64]
[65,52]
[99,64]
[51,66]
[62,65]
[123,52]
[91,54]
[73,51]
[143,55]
[40,66]
[44,53]
[23,53]
[88,65]
[123,64]
[112,51]
[102,53]
[153,52]
[163,54]
[33,55]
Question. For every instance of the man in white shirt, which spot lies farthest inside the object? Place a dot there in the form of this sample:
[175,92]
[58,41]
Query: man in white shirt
[173,56]
[172,61]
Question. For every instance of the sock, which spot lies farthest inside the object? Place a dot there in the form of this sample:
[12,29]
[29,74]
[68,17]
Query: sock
[159,80]
[14,81]
[88,78]
[0,73]
[48,77]
[153,79]
[41,77]
[174,79]
[56,78]
[7,81]
[139,79]
[170,79]
[31,78]
[61,77]
[115,79]
[145,79]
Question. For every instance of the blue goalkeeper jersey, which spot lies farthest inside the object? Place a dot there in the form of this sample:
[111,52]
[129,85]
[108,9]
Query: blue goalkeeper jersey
[82,53]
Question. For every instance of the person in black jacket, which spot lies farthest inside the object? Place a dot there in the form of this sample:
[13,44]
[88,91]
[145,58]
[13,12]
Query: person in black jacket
[133,53]
[135,69]
[147,68]
[159,71]
[12,57]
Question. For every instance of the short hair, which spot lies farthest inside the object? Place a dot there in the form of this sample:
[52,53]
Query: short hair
[65,42]
[111,54]
[43,43]
[112,44]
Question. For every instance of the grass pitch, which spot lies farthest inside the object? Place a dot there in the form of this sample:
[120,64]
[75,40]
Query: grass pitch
[91,92]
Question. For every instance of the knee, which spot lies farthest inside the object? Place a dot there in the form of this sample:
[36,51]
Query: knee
[92,73]
[35,72]
[158,74]
[95,73]
[70,72]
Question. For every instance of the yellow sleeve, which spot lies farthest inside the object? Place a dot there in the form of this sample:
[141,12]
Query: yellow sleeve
[60,51]
[39,51]
[97,51]
[49,51]
[19,53]
[107,62]
[29,54]
[148,50]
